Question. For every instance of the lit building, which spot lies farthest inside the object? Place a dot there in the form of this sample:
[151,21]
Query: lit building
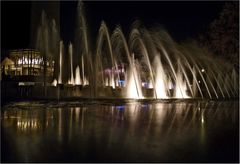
[26,62]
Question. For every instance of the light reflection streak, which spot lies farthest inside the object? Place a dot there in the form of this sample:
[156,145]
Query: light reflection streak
[216,111]
[28,125]
[182,122]
[171,122]
[60,124]
[133,113]
[82,118]
[77,111]
[160,113]
[202,119]
[70,124]
[151,118]
[192,119]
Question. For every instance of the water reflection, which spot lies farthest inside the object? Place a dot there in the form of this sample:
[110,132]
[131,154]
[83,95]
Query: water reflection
[133,131]
[28,125]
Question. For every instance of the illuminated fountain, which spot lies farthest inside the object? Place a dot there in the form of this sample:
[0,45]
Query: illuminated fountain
[160,79]
[70,48]
[133,87]
[148,64]
[77,76]
[60,63]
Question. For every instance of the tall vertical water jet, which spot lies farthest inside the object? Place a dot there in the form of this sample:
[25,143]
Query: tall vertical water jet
[181,87]
[42,44]
[134,88]
[82,50]
[160,79]
[77,76]
[84,78]
[177,77]
[133,85]
[112,81]
[60,63]
[54,45]
[70,51]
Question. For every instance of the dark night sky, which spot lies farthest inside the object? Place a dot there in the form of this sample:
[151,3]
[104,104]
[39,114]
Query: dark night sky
[181,19]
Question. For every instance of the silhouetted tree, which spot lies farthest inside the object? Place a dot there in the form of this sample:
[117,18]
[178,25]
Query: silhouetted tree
[222,37]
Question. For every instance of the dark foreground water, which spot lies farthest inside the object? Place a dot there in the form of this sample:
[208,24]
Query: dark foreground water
[100,131]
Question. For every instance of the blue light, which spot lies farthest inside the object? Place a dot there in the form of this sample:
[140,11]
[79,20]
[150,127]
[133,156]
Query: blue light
[144,106]
[121,82]
[120,107]
[145,84]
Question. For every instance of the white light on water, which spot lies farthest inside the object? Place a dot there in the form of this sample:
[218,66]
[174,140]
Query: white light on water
[203,70]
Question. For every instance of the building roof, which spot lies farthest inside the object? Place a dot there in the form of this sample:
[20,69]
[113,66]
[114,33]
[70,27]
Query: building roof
[7,61]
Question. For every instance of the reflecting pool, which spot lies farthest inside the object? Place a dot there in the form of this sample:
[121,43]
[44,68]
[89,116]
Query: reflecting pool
[103,131]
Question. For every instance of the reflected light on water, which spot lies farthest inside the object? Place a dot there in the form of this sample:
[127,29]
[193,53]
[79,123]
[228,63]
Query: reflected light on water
[175,114]
[202,119]
[150,128]
[28,125]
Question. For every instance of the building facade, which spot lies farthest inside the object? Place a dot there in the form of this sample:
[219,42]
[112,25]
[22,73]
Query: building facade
[26,62]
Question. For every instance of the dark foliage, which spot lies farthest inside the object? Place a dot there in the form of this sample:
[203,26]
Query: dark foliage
[222,36]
